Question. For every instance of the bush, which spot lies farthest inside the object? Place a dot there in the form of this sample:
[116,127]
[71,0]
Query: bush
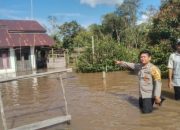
[106,52]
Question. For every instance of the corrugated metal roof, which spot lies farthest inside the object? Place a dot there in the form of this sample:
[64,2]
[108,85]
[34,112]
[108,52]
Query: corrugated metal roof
[32,35]
[22,25]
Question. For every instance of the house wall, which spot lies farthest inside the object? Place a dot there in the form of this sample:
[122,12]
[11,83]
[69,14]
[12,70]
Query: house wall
[12,63]
[33,58]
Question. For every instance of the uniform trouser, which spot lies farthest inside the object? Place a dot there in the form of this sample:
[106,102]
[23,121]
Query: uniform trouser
[177,92]
[146,104]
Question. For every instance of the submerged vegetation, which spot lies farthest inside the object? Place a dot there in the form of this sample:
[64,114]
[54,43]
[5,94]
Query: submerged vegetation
[119,36]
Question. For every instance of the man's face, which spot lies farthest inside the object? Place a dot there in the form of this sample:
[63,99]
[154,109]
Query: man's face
[145,58]
[178,48]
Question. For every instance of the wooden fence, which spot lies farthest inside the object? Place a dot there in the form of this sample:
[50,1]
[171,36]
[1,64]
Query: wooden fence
[40,124]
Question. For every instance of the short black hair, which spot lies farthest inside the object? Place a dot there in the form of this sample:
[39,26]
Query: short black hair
[145,52]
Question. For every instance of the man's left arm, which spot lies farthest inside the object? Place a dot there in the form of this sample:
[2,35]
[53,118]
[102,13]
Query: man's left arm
[156,74]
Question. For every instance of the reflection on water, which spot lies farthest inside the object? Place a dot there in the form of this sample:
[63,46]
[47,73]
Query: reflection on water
[35,89]
[15,92]
[94,103]
[104,84]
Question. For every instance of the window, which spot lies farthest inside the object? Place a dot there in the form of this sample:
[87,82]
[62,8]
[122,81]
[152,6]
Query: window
[23,52]
[4,59]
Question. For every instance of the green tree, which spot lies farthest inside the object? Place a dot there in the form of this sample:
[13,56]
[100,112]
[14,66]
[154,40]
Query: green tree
[96,30]
[68,31]
[128,12]
[53,22]
[83,39]
[164,32]
[113,25]
[166,24]
[58,43]
[106,51]
[54,32]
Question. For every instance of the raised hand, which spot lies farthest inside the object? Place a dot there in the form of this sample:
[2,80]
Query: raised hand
[118,62]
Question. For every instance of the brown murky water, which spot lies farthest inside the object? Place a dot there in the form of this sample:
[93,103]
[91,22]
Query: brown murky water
[94,103]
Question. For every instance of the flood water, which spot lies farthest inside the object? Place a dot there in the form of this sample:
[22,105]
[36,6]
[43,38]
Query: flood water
[93,103]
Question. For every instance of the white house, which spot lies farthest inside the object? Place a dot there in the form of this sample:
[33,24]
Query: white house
[23,45]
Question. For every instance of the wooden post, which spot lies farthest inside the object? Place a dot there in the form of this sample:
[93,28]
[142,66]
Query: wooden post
[104,85]
[104,74]
[64,95]
[35,75]
[76,58]
[67,58]
[93,48]
[21,54]
[106,68]
[44,123]
[53,55]
[2,113]
[65,100]
[23,63]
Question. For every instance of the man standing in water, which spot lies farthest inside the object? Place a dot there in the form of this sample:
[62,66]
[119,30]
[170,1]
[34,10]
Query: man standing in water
[149,81]
[174,71]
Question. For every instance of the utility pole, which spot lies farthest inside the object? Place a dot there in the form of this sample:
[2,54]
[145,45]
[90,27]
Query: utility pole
[31,9]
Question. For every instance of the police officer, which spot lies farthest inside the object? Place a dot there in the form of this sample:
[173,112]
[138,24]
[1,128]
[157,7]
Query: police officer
[174,71]
[149,81]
